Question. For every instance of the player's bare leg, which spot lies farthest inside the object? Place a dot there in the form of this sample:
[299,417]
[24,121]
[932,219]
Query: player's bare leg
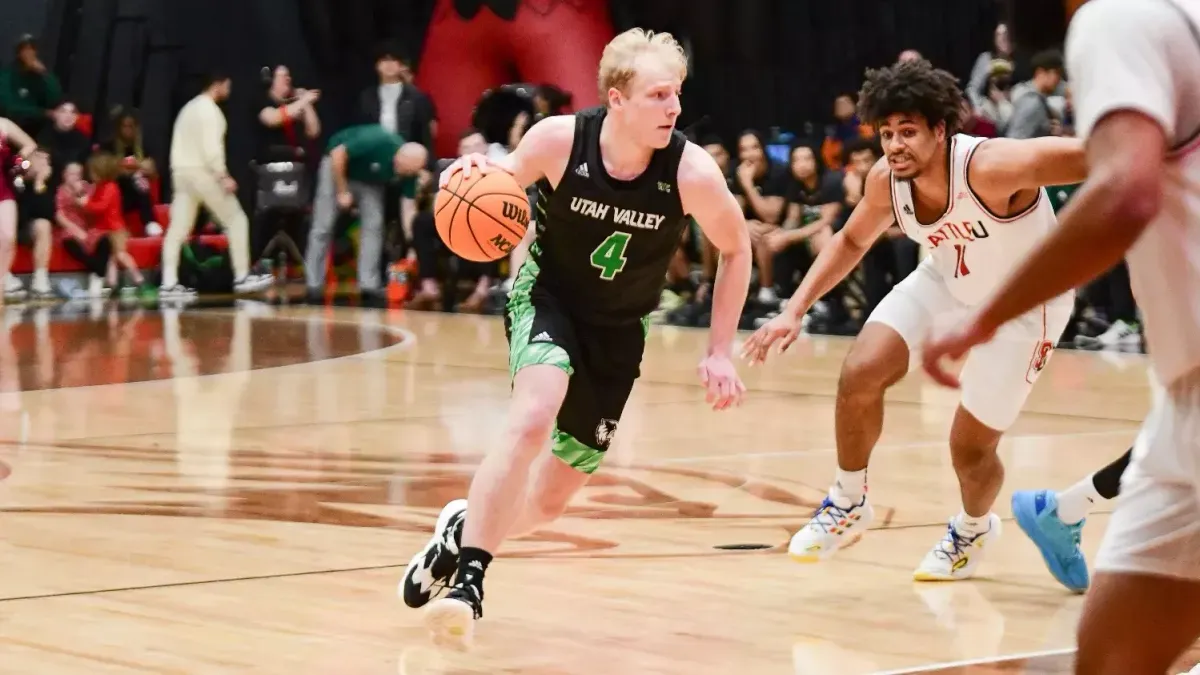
[1124,628]
[552,484]
[980,476]
[462,548]
[878,359]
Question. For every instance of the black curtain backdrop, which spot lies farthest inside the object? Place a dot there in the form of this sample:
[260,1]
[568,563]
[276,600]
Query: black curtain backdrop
[755,63]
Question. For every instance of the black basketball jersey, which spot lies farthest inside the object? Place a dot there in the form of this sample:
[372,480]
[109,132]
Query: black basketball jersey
[603,245]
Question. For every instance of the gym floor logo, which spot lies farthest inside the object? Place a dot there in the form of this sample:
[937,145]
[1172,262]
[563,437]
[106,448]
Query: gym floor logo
[703,507]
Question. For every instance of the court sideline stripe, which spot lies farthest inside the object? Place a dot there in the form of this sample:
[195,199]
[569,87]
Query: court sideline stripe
[1017,656]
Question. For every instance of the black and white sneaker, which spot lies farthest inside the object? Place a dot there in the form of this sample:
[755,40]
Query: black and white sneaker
[438,561]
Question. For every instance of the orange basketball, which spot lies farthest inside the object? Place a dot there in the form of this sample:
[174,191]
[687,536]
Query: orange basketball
[481,217]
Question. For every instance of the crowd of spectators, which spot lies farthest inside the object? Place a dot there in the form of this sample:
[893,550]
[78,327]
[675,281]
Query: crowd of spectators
[82,192]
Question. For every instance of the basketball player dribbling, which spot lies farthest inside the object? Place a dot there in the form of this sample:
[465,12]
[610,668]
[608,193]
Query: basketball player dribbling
[614,186]
[1135,80]
[977,206]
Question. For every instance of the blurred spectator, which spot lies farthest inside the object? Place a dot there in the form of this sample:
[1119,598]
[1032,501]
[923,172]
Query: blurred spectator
[288,125]
[35,211]
[708,253]
[995,105]
[396,104]
[975,124]
[1113,295]
[759,186]
[985,67]
[63,141]
[893,256]
[28,90]
[15,145]
[909,55]
[105,216]
[90,247]
[137,169]
[200,178]
[814,208]
[288,120]
[360,163]
[846,127]
[549,100]
[1033,116]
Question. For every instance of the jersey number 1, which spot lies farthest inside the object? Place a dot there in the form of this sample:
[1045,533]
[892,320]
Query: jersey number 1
[960,262]
[609,256]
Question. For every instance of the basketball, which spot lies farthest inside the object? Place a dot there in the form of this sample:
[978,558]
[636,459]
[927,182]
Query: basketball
[481,217]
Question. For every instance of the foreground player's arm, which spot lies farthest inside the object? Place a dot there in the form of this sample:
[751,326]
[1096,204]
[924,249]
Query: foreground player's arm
[704,194]
[1125,101]
[1008,165]
[870,218]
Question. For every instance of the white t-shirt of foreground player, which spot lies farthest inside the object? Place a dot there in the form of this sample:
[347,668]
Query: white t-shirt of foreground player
[1144,55]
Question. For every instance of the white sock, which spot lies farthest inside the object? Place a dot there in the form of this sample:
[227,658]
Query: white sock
[849,488]
[972,525]
[1077,501]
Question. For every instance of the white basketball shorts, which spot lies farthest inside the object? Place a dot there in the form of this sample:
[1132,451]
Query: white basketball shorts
[1155,528]
[998,376]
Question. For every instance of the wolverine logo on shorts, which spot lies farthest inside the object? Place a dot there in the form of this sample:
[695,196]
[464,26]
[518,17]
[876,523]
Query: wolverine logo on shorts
[605,432]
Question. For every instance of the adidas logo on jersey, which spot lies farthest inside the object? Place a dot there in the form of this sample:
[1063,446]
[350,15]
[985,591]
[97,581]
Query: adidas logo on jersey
[581,170]
[541,337]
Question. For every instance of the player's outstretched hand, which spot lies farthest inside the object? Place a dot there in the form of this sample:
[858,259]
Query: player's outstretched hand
[465,164]
[952,345]
[783,329]
[725,388]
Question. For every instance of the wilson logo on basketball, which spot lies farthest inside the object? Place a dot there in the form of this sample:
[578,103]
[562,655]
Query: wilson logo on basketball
[515,212]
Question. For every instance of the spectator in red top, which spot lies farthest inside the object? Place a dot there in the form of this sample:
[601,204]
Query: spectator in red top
[90,247]
[104,208]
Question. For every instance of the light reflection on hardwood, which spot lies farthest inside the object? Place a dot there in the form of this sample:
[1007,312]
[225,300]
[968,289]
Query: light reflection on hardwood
[258,520]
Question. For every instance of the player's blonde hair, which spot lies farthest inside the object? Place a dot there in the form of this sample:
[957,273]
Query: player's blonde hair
[618,63]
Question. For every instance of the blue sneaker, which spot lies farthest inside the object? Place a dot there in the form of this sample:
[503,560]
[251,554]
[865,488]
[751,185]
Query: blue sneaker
[1036,512]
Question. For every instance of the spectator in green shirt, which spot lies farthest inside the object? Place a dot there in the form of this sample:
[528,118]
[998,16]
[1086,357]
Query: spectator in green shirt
[358,165]
[29,92]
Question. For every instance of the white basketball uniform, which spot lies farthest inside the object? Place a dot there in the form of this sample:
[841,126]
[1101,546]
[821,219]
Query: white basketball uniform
[1144,55]
[971,252]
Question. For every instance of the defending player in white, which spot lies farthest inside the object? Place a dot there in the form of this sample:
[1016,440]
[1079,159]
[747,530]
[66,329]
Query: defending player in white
[1135,75]
[978,206]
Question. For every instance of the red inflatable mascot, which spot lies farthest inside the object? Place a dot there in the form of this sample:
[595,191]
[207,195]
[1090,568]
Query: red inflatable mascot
[475,45]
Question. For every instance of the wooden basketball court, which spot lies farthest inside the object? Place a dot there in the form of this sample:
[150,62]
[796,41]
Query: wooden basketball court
[238,490]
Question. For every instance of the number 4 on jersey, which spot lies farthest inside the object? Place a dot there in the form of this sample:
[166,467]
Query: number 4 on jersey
[609,256]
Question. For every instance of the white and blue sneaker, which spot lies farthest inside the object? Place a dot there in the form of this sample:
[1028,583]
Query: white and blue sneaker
[830,529]
[958,554]
[1036,512]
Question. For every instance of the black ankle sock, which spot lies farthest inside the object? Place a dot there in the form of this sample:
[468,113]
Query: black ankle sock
[472,564]
[1107,481]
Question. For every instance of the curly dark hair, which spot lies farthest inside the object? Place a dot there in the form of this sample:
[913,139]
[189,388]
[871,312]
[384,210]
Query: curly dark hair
[911,87]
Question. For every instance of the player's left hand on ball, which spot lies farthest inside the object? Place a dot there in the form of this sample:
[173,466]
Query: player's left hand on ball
[952,345]
[720,377]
